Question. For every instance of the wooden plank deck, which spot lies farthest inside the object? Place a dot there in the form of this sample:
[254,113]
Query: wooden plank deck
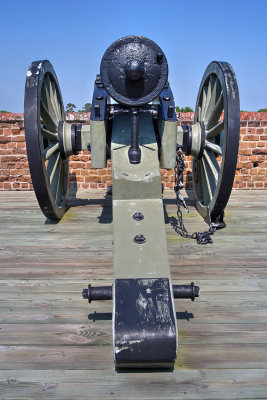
[54,345]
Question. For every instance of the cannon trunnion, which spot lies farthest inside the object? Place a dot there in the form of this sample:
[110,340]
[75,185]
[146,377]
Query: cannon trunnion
[133,122]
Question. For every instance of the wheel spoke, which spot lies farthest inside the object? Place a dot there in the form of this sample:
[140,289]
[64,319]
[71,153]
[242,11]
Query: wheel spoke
[51,149]
[199,113]
[214,147]
[198,179]
[48,120]
[216,113]
[207,193]
[54,100]
[211,165]
[213,132]
[59,184]
[52,167]
[49,97]
[48,135]
[215,91]
[208,97]
[204,100]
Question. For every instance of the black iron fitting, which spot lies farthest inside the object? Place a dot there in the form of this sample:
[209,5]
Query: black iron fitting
[187,139]
[186,291]
[97,293]
[145,110]
[105,292]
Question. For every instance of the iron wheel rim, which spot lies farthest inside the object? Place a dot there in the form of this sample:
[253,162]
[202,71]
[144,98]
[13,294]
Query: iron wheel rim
[218,93]
[43,111]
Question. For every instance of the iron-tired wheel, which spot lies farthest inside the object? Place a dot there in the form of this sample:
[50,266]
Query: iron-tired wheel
[43,113]
[218,116]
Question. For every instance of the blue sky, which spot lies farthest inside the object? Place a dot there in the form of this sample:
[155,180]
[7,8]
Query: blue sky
[73,35]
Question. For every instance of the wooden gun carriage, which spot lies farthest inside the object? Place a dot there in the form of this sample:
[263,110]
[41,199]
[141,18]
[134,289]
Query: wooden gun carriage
[133,122]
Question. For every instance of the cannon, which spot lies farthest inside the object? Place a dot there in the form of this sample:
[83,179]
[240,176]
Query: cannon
[134,123]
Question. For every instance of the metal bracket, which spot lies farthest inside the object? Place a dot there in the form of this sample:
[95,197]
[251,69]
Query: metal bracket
[99,102]
[167,104]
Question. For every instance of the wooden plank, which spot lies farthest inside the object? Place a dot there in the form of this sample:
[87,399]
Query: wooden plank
[88,384]
[96,270]
[80,315]
[34,287]
[101,357]
[100,333]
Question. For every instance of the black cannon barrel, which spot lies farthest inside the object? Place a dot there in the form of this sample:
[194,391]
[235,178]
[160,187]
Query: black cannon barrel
[134,71]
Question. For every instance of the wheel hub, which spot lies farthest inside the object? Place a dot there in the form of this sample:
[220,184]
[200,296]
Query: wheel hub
[194,139]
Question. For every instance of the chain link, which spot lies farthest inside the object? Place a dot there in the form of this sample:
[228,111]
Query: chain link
[178,223]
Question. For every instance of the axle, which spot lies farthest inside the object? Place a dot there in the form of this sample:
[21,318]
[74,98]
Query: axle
[105,292]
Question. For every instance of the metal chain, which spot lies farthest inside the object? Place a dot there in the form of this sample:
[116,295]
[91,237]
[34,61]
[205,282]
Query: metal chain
[178,223]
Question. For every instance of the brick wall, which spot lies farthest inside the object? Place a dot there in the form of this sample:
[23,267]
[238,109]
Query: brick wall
[251,170]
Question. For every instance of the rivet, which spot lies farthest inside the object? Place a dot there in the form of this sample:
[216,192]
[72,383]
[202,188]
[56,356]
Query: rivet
[138,216]
[139,239]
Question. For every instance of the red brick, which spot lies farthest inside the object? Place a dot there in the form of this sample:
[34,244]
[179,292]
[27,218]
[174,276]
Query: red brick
[7,131]
[20,139]
[251,131]
[260,151]
[12,145]
[254,123]
[4,159]
[5,139]
[242,185]
[247,164]
[251,138]
[7,185]
[261,144]
[4,151]
[256,178]
[245,151]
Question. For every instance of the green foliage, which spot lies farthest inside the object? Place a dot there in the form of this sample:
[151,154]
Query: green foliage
[184,109]
[70,107]
[86,108]
[260,110]
[4,111]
